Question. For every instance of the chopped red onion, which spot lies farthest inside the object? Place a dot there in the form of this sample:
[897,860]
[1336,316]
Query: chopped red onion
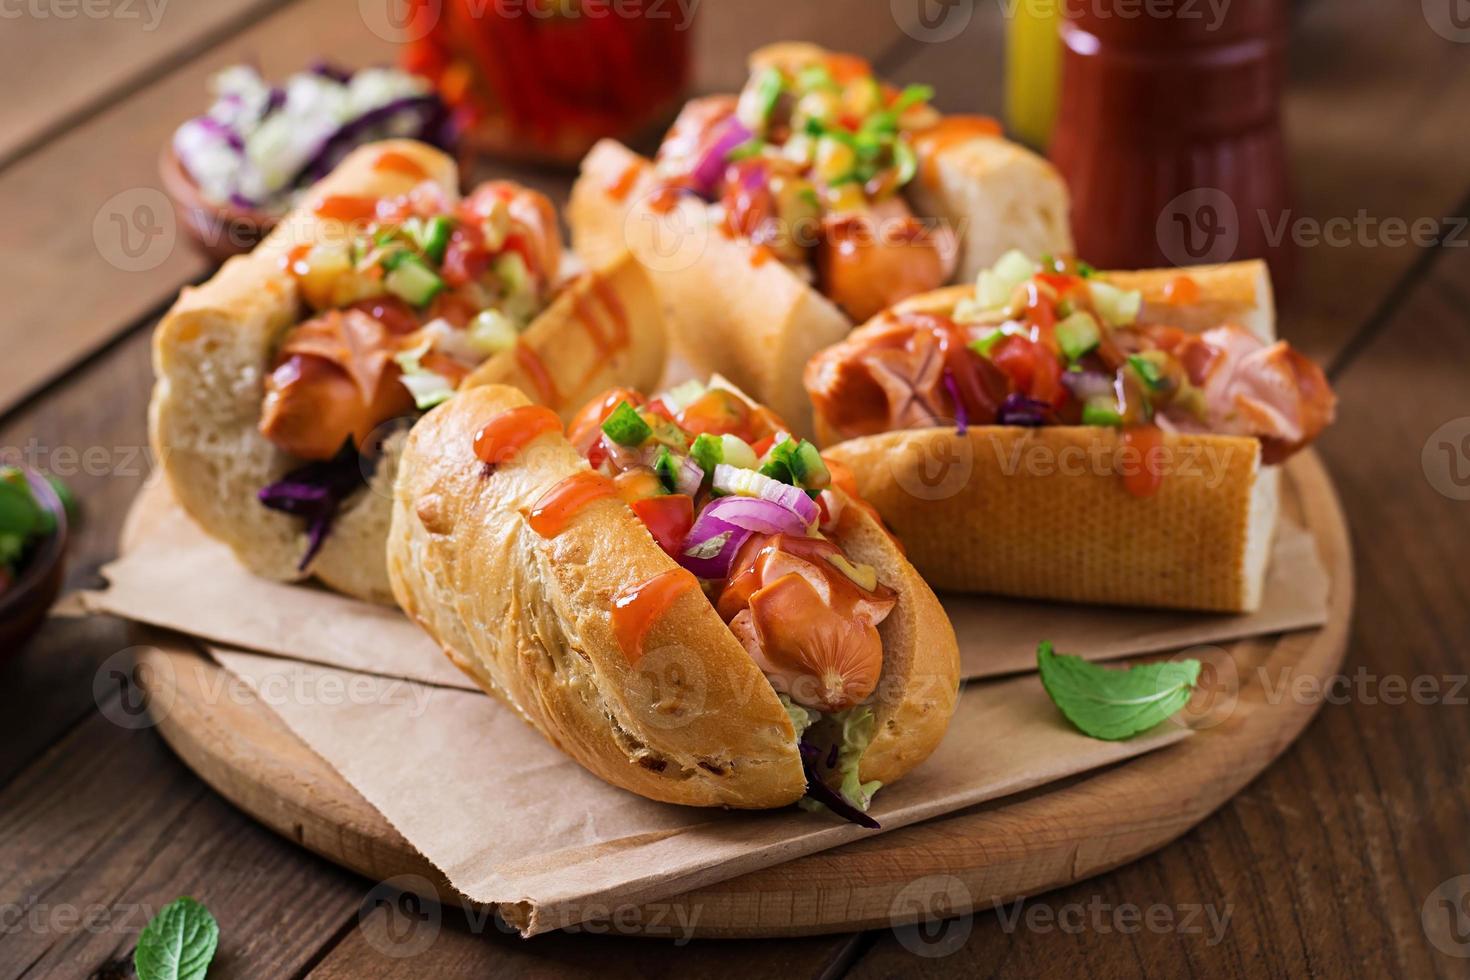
[732,479]
[710,165]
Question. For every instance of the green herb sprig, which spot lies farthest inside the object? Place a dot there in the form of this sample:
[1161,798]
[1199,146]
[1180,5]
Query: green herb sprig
[1112,704]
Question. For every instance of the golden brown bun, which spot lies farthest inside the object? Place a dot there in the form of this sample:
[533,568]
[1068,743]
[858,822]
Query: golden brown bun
[212,350]
[527,618]
[755,320]
[1043,513]
[757,323]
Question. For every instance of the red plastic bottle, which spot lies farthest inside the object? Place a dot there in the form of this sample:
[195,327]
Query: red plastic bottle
[1169,132]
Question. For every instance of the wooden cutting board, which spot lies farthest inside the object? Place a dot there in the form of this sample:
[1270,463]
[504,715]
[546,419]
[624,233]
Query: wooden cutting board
[1012,847]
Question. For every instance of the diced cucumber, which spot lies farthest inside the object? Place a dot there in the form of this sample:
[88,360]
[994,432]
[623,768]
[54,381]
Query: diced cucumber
[492,332]
[413,282]
[666,468]
[737,452]
[513,273]
[809,468]
[626,427]
[1101,411]
[1077,334]
[683,395]
[433,236]
[1148,369]
[998,283]
[987,343]
[708,451]
[1118,307]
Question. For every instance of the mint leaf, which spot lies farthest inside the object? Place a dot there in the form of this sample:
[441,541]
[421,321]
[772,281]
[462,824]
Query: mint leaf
[178,943]
[1115,704]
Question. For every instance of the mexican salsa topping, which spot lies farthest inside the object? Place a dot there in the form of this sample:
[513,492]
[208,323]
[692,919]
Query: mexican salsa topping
[1053,343]
[404,297]
[807,165]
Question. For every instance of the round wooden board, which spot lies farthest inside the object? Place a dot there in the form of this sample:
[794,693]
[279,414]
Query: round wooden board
[1012,847]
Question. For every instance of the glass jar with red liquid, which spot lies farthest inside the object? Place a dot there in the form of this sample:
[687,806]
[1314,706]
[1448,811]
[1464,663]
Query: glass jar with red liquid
[543,80]
[1169,132]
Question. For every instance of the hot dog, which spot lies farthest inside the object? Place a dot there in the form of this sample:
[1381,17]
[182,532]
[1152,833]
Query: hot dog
[1105,437]
[285,383]
[674,592]
[819,196]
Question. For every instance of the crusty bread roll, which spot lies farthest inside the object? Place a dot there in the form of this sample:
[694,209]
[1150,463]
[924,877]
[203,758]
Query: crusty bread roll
[1041,512]
[529,619]
[756,321]
[211,355]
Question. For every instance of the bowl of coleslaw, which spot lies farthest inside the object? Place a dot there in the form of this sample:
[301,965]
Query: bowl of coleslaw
[236,170]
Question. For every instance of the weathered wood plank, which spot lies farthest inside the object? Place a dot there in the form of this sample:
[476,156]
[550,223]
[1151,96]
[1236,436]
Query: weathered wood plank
[391,942]
[61,61]
[107,827]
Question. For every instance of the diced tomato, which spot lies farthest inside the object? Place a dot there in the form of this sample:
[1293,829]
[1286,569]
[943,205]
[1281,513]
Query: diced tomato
[1032,368]
[521,245]
[668,519]
[466,258]
[597,454]
[657,407]
[717,412]
[763,446]
[391,312]
[595,412]
[845,68]
[1059,281]
[455,307]
[1041,314]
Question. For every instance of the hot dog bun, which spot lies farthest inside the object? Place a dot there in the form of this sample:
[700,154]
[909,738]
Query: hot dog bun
[211,353]
[1042,512]
[757,321]
[694,722]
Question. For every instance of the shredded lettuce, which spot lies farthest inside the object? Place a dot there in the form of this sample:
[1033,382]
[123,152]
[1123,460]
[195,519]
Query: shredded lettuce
[427,387]
[850,732]
[801,718]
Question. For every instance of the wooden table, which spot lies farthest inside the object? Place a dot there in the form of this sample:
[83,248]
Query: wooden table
[1326,865]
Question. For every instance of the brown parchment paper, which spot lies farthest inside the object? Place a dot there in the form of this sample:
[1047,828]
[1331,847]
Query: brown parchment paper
[176,577]
[512,821]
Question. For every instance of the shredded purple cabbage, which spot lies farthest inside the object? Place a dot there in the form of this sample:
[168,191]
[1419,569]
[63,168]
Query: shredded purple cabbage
[316,491]
[326,69]
[961,417]
[432,125]
[817,788]
[224,132]
[1017,409]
